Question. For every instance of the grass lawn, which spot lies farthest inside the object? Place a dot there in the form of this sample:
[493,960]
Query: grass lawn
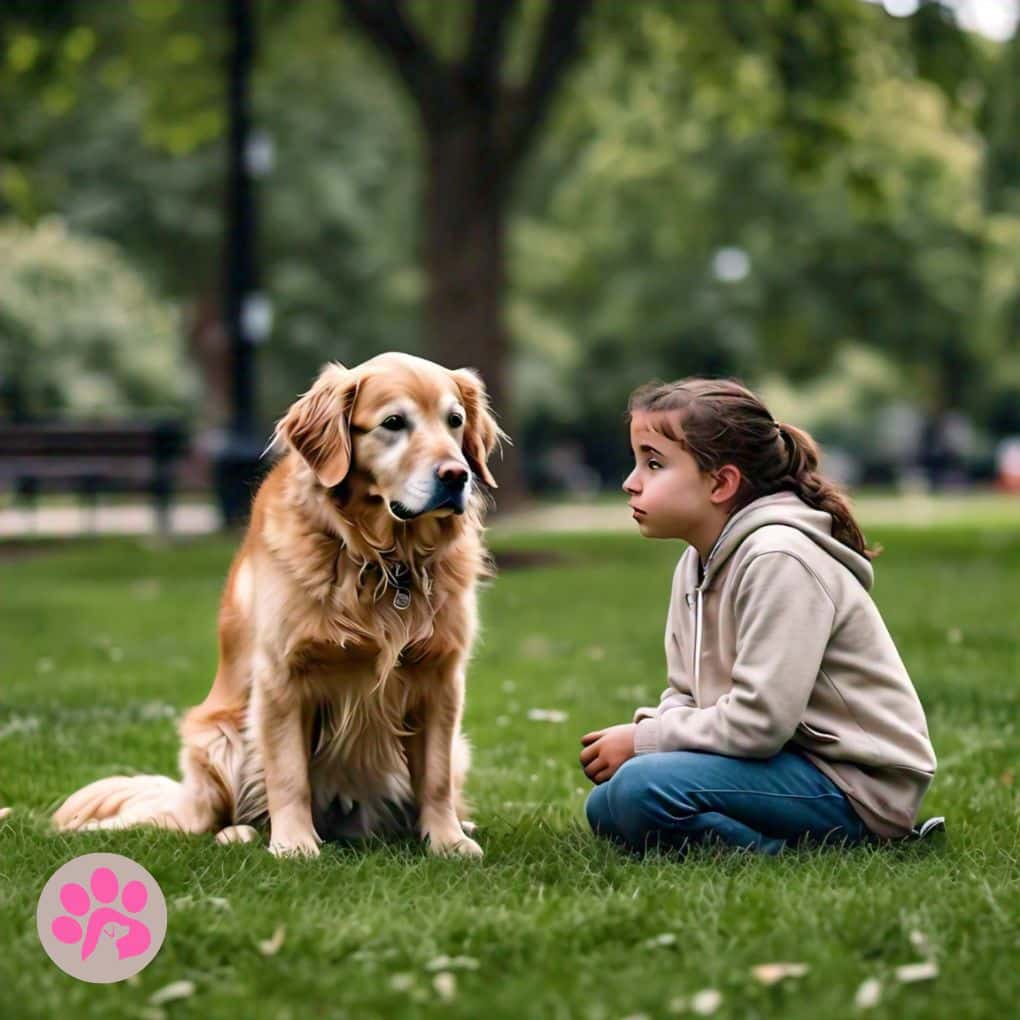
[101,645]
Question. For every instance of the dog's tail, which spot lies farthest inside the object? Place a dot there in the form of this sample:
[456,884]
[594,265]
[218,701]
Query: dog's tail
[118,802]
[202,801]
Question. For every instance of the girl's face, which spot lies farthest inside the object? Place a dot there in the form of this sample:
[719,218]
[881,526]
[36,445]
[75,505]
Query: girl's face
[669,495]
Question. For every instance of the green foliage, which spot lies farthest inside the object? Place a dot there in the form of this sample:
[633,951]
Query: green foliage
[81,334]
[141,160]
[340,207]
[679,137]
[863,164]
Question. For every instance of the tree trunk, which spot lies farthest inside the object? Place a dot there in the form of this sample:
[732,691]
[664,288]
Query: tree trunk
[476,132]
[464,258]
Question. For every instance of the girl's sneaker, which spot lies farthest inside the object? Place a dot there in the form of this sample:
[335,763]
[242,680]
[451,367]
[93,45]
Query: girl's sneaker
[926,828]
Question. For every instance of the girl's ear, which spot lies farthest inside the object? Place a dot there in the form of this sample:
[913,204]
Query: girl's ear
[481,432]
[317,426]
[727,483]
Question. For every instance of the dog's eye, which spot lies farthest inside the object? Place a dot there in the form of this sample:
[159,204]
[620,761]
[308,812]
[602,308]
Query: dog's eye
[395,422]
[455,420]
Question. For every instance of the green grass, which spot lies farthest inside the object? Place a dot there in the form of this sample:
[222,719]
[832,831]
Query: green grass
[101,644]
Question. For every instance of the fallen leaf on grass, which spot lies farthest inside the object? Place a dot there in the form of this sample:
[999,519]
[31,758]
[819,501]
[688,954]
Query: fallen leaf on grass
[704,1003]
[773,973]
[146,588]
[271,946]
[667,938]
[911,972]
[185,902]
[4,812]
[536,646]
[445,985]
[452,963]
[868,994]
[547,715]
[172,992]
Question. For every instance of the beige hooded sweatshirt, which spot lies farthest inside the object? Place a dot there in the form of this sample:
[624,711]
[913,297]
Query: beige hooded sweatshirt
[780,642]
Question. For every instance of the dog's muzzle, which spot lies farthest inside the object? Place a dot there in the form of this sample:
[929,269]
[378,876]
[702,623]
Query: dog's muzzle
[449,492]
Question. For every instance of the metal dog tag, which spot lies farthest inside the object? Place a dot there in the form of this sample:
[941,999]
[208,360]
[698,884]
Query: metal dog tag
[402,599]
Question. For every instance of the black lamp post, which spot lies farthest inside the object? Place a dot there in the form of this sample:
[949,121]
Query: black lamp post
[248,312]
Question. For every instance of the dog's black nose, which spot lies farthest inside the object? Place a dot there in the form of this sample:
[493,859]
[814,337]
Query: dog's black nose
[453,475]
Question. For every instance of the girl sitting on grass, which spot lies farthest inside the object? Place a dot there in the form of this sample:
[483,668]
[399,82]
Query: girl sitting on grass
[789,715]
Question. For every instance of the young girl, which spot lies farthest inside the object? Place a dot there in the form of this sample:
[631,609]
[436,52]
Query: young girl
[789,714]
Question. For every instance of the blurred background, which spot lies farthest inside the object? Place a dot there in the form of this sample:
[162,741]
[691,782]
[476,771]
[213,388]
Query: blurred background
[203,202]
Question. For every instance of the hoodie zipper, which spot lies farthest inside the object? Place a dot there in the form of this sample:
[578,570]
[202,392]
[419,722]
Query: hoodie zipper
[698,592]
[697,645]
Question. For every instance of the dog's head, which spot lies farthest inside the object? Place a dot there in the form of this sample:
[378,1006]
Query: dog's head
[422,434]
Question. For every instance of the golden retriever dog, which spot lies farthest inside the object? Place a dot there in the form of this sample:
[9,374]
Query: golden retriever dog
[345,628]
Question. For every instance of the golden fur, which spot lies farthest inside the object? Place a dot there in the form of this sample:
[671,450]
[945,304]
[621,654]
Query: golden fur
[333,711]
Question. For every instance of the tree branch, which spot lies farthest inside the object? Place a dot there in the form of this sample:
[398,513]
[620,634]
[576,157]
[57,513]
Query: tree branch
[556,51]
[384,23]
[485,48]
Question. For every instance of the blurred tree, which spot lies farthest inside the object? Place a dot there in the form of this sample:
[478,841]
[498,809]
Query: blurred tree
[477,129]
[726,188]
[692,224]
[80,332]
[136,154]
[998,347]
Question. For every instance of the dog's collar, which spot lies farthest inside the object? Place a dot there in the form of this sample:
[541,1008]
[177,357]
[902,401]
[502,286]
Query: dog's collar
[400,580]
[398,576]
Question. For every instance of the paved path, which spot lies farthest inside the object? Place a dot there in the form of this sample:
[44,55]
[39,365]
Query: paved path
[201,518]
[911,509]
[123,519]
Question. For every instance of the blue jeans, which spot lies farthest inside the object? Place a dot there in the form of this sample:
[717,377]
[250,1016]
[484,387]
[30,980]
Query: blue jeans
[676,798]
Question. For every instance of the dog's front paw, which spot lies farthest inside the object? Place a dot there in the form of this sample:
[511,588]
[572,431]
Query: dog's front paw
[453,845]
[295,845]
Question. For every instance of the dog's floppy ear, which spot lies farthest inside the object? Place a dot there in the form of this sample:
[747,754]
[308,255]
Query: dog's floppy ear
[317,425]
[481,432]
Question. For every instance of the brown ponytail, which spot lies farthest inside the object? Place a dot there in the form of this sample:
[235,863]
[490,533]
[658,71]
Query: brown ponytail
[720,421]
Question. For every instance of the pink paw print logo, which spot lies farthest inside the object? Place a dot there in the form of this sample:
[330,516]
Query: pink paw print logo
[101,917]
[131,936]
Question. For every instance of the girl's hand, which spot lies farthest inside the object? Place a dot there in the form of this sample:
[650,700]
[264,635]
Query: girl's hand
[606,750]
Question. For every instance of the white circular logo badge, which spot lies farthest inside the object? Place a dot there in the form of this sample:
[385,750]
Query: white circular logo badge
[101,918]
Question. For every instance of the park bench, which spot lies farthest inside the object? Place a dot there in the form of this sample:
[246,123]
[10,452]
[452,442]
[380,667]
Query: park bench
[92,458]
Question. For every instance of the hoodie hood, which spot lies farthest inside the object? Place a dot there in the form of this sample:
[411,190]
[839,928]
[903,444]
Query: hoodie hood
[788,509]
